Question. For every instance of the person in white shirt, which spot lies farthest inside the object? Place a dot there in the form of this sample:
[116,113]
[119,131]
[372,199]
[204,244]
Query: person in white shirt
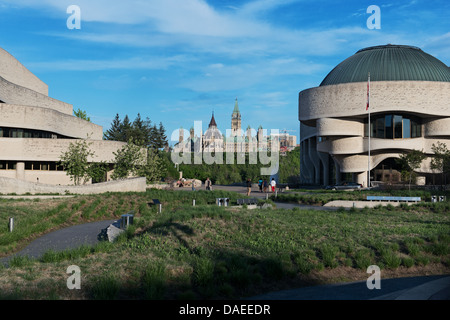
[273,184]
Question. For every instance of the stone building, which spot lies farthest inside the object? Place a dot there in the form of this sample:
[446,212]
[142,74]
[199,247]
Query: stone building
[409,105]
[36,129]
[232,140]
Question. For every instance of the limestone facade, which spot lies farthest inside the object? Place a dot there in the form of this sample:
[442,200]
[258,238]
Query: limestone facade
[36,129]
[334,127]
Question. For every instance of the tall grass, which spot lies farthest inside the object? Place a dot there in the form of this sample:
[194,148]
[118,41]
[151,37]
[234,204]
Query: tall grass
[206,251]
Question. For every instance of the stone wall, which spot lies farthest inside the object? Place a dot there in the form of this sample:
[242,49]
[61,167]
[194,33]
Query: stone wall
[8,185]
[37,118]
[33,149]
[14,94]
[424,98]
[13,71]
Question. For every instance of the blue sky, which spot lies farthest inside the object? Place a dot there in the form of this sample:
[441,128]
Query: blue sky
[177,61]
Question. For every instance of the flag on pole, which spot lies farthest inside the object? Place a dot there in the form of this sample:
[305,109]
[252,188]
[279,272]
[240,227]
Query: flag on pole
[368,92]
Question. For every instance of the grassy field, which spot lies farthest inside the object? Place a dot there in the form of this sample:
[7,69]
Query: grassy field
[210,252]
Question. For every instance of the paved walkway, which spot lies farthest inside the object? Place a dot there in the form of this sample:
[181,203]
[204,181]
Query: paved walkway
[63,239]
[408,288]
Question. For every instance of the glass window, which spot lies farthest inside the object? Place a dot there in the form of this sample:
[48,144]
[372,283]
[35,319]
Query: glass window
[388,124]
[416,129]
[398,127]
[28,165]
[36,166]
[380,128]
[406,128]
[11,165]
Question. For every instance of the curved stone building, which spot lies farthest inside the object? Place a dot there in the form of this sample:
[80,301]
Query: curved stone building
[409,109]
[36,129]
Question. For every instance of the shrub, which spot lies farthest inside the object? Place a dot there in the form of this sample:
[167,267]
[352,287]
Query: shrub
[105,287]
[363,258]
[203,273]
[408,262]
[391,259]
[154,281]
[328,255]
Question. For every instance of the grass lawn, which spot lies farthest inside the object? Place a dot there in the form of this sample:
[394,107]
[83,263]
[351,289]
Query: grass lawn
[210,252]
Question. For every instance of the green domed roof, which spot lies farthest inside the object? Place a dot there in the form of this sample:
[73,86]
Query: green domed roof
[389,63]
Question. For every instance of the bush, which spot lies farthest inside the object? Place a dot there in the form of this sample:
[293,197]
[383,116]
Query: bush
[154,281]
[203,273]
[363,258]
[105,287]
[328,255]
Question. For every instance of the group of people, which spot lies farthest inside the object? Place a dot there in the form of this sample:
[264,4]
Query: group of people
[262,184]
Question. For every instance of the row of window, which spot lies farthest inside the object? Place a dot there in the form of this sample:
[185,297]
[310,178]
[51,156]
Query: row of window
[31,165]
[28,133]
[393,126]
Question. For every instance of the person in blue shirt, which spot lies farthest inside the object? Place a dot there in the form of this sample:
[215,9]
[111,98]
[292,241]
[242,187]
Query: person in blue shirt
[260,184]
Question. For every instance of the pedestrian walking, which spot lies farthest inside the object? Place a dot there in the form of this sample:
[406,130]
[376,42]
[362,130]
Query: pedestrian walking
[273,184]
[265,185]
[260,184]
[249,187]
[208,184]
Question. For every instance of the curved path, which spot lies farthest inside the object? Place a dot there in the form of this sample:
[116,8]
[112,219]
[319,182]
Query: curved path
[63,239]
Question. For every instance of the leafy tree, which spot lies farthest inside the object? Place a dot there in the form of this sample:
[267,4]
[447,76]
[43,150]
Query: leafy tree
[81,114]
[153,169]
[75,161]
[128,161]
[97,171]
[441,159]
[411,161]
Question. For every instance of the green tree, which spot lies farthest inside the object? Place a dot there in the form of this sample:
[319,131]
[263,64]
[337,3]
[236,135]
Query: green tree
[75,161]
[97,171]
[161,138]
[441,159]
[411,161]
[141,131]
[116,131]
[153,169]
[128,160]
[81,114]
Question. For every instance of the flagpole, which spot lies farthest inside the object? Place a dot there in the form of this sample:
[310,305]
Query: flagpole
[370,131]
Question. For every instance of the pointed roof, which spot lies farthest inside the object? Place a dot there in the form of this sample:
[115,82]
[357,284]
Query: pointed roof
[212,122]
[236,107]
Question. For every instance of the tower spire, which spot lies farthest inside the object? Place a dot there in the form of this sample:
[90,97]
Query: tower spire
[236,106]
[213,121]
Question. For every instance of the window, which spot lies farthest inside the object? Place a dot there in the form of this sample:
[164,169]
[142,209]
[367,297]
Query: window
[28,133]
[388,124]
[398,130]
[406,128]
[394,127]
[416,129]
[43,166]
[380,128]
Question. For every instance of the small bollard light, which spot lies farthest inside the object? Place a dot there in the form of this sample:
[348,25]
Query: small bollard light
[193,202]
[11,224]
[160,208]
